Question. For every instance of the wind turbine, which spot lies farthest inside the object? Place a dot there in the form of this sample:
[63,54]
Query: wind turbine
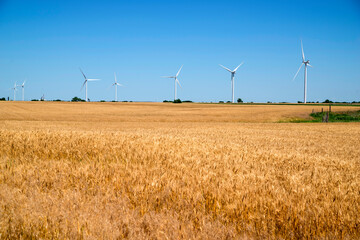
[175,80]
[116,84]
[232,78]
[23,89]
[306,63]
[85,83]
[14,88]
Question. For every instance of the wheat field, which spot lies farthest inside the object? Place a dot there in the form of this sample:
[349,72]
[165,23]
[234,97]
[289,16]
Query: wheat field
[176,171]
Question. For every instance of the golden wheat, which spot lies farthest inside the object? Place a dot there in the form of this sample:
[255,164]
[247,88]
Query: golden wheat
[166,171]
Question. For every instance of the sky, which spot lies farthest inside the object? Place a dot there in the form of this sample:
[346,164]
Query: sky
[46,42]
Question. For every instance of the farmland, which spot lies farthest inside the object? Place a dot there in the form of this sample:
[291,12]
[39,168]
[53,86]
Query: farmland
[176,171]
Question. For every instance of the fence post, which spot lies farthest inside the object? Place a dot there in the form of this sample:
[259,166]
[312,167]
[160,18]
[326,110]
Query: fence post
[327,117]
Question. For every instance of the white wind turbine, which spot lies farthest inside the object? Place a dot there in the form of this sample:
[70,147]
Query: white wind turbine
[116,84]
[306,63]
[175,80]
[23,89]
[232,78]
[85,83]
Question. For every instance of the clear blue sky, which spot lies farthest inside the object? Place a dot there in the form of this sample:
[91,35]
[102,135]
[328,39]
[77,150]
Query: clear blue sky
[47,41]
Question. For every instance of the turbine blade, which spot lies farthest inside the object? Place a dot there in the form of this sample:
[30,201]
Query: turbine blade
[119,84]
[178,83]
[225,68]
[302,51]
[168,77]
[82,73]
[83,85]
[309,65]
[93,80]
[179,71]
[238,67]
[297,72]
[115,77]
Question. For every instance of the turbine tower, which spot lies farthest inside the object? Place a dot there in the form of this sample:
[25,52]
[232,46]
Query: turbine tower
[116,84]
[85,83]
[175,80]
[232,78]
[23,89]
[306,63]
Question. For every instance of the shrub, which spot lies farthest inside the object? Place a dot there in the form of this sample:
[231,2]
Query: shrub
[77,99]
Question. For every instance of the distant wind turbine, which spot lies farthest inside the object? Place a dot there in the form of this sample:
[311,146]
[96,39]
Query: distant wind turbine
[85,84]
[15,89]
[175,80]
[23,89]
[306,63]
[116,84]
[232,78]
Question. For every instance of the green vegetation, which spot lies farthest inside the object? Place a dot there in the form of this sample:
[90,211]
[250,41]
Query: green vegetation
[77,99]
[177,101]
[350,116]
[2,99]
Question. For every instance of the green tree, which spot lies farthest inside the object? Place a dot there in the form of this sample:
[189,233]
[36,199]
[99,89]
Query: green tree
[77,99]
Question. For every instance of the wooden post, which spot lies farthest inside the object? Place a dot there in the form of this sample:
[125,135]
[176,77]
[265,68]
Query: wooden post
[327,117]
[322,110]
[329,107]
